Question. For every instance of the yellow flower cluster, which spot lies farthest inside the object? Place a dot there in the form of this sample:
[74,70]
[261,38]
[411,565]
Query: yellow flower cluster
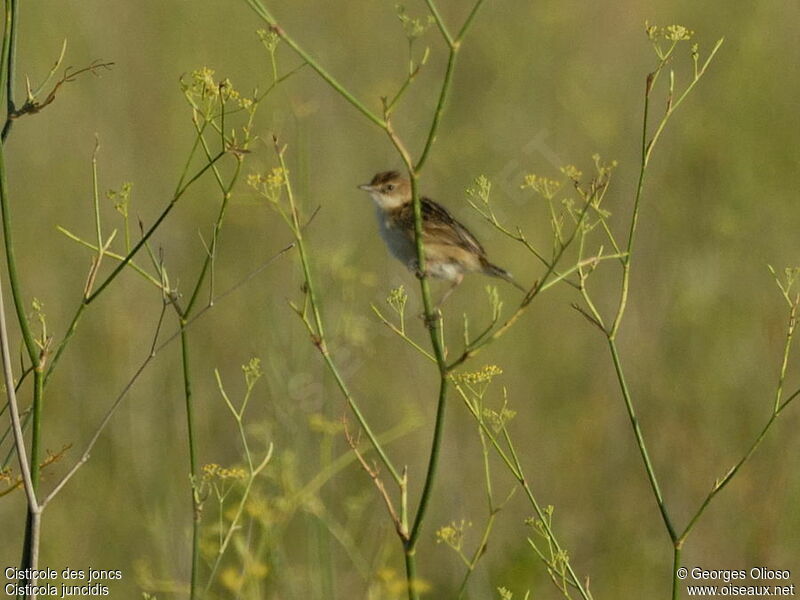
[269,184]
[203,87]
[252,372]
[270,39]
[481,189]
[505,594]
[572,172]
[397,299]
[499,419]
[485,375]
[121,198]
[414,26]
[542,185]
[673,33]
[452,534]
[214,471]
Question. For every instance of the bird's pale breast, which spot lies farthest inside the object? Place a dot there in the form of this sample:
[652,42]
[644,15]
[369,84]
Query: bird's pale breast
[401,247]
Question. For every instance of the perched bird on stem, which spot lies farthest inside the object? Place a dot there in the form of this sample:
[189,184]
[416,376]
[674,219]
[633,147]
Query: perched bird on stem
[450,249]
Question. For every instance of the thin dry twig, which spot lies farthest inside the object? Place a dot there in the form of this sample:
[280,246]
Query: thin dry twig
[374,473]
[32,106]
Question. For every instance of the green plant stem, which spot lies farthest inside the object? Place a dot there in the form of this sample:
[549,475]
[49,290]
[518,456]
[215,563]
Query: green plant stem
[676,564]
[646,153]
[468,22]
[31,472]
[776,411]
[479,551]
[493,512]
[626,260]
[33,520]
[434,325]
[9,63]
[440,23]
[73,326]
[262,12]
[11,264]
[177,196]
[434,328]
[437,115]
[454,45]
[30,545]
[411,572]
[187,389]
[36,429]
[112,255]
[511,460]
[155,348]
[12,26]
[36,508]
[253,472]
[651,475]
[226,196]
[646,150]
[520,475]
[786,351]
[184,315]
[22,317]
[719,485]
[540,286]
[127,259]
[433,463]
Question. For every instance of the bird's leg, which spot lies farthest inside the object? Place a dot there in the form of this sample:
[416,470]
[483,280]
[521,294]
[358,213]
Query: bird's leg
[456,282]
[413,266]
[437,310]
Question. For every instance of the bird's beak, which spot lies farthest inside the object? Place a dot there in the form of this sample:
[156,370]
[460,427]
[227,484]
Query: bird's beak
[366,187]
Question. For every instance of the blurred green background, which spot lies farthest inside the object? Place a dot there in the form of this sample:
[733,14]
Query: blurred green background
[538,85]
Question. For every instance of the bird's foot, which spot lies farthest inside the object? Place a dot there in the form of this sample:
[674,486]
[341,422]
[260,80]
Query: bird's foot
[430,321]
[413,266]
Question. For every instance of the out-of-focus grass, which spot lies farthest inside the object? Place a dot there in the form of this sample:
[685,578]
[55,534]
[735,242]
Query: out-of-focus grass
[539,85]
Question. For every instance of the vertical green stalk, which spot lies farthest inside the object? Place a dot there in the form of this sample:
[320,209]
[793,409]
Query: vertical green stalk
[437,115]
[411,572]
[187,389]
[410,545]
[434,324]
[648,465]
[11,264]
[6,83]
[626,260]
[676,564]
[433,463]
[226,196]
[9,63]
[36,430]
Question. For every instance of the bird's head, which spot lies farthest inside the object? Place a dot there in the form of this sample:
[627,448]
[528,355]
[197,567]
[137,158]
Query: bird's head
[389,190]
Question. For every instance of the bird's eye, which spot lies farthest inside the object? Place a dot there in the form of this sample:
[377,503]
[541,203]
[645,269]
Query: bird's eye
[389,187]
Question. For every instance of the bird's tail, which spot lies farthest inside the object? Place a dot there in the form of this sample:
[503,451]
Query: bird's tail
[496,271]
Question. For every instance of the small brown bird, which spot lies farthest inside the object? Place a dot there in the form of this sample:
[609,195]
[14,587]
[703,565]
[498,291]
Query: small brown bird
[450,249]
